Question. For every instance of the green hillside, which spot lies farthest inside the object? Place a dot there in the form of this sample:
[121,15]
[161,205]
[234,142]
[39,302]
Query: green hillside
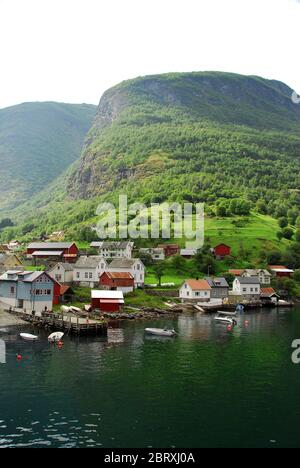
[37,142]
[228,140]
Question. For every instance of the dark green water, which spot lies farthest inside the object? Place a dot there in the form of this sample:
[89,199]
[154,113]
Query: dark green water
[205,388]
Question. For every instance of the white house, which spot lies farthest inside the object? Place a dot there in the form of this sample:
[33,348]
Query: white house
[87,270]
[62,272]
[122,249]
[247,287]
[263,275]
[157,254]
[195,290]
[134,266]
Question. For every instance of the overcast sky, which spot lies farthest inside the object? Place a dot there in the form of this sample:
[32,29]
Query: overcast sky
[73,50]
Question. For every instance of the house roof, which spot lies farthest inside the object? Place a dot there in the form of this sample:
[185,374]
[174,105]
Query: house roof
[188,252]
[236,272]
[256,272]
[89,262]
[26,276]
[123,262]
[99,294]
[48,253]
[50,245]
[198,285]
[280,269]
[217,282]
[268,292]
[65,266]
[64,289]
[118,275]
[247,280]
[113,245]
[222,245]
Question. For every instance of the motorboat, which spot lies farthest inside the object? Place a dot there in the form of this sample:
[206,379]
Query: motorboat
[28,337]
[55,337]
[160,332]
[228,318]
[65,309]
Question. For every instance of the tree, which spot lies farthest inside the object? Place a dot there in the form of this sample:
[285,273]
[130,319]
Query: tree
[178,263]
[159,270]
[283,222]
[274,257]
[288,233]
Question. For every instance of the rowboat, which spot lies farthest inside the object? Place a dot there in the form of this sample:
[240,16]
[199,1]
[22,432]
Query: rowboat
[160,332]
[28,337]
[54,337]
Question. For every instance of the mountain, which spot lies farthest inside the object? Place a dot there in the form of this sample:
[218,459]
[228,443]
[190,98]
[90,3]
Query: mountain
[37,142]
[228,140]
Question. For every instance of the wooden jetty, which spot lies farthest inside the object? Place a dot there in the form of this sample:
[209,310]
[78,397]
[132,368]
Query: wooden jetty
[61,322]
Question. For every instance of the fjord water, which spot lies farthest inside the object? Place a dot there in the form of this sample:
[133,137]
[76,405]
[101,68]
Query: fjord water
[205,388]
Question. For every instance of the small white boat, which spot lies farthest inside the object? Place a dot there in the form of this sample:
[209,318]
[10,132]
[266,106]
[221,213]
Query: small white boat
[75,310]
[65,309]
[54,337]
[28,337]
[226,317]
[160,331]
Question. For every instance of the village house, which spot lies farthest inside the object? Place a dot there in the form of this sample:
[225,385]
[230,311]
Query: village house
[107,301]
[87,270]
[111,250]
[9,262]
[281,271]
[269,296]
[157,254]
[195,291]
[29,290]
[134,266]
[188,253]
[64,251]
[170,249]
[219,288]
[248,288]
[117,281]
[62,272]
[13,245]
[221,251]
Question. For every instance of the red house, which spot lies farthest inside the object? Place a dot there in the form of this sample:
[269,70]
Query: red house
[281,271]
[116,281]
[221,251]
[65,251]
[107,301]
[170,249]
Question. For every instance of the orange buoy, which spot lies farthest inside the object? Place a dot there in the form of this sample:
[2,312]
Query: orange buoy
[19,357]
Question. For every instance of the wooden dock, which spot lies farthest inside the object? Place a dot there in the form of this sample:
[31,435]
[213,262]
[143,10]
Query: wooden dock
[61,322]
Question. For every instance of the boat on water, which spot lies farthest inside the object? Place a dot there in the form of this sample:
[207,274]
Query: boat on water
[160,332]
[55,337]
[228,318]
[28,337]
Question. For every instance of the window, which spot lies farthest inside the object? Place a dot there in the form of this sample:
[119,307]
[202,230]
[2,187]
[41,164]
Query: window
[78,275]
[138,267]
[86,275]
[49,292]
[251,289]
[244,289]
[197,294]
[12,290]
[205,293]
[90,275]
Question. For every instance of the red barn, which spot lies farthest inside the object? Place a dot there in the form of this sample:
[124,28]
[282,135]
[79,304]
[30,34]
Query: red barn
[107,301]
[117,281]
[222,251]
[170,249]
[65,251]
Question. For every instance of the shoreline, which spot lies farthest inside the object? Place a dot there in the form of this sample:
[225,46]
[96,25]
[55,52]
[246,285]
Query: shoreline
[8,320]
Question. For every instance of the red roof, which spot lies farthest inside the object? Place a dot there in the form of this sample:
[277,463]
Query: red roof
[119,275]
[64,289]
[198,285]
[268,292]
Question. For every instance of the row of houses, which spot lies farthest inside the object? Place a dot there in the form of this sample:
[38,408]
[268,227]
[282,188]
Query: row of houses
[88,270]
[210,289]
